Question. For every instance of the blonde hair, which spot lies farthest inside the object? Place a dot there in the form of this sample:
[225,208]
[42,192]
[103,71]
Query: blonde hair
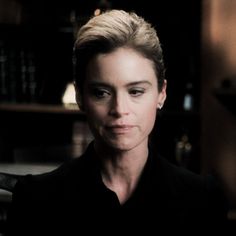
[113,29]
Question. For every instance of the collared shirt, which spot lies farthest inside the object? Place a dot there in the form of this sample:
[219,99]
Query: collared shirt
[74,198]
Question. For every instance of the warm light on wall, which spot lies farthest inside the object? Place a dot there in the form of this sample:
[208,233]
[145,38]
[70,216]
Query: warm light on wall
[68,97]
[97,12]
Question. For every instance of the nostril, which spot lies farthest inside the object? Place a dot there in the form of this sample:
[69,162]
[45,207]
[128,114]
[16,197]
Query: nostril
[119,107]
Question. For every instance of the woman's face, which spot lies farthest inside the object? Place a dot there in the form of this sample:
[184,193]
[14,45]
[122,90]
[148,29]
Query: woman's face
[121,98]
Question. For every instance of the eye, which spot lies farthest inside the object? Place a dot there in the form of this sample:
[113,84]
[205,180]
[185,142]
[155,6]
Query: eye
[100,93]
[136,92]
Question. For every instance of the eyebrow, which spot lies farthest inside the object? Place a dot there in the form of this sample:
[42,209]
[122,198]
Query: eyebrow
[139,82]
[102,84]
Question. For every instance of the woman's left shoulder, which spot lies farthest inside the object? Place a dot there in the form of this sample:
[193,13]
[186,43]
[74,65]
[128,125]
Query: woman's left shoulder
[186,181]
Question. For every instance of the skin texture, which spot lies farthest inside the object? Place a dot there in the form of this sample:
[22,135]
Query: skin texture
[121,99]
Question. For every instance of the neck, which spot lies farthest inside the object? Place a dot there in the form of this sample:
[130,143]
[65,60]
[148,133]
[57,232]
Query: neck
[121,170]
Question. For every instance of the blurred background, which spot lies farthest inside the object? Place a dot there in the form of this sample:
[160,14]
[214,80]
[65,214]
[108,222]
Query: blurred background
[41,126]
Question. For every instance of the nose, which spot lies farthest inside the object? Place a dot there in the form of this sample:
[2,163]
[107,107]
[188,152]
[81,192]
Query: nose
[119,106]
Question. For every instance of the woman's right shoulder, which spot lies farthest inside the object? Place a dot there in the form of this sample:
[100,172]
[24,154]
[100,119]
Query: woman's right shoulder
[33,184]
[75,166]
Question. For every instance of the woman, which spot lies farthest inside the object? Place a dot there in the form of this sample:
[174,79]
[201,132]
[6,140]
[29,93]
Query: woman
[120,85]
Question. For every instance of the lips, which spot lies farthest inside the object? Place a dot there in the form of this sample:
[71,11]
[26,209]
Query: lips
[119,129]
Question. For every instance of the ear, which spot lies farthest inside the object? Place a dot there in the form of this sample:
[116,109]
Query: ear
[162,95]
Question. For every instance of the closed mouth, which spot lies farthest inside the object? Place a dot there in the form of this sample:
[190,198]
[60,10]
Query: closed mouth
[119,129]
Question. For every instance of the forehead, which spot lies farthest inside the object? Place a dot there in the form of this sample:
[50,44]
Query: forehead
[122,65]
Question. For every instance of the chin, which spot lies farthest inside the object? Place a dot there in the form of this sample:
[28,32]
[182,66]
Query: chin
[121,146]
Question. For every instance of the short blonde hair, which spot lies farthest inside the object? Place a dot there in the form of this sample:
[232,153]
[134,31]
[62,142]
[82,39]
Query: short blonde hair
[113,29]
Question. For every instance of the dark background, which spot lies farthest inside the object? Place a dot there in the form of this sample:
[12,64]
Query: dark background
[44,37]
[48,27]
[39,34]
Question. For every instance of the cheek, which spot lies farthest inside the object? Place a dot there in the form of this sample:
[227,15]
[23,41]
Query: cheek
[149,105]
[95,117]
[148,114]
[94,112]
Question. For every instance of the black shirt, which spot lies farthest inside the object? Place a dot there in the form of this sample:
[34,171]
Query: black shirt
[74,199]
